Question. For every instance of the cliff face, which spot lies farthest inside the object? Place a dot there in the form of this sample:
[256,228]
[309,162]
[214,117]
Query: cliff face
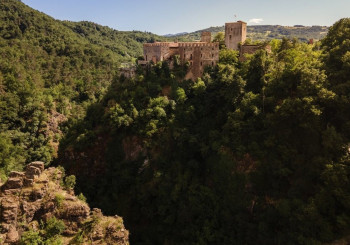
[34,208]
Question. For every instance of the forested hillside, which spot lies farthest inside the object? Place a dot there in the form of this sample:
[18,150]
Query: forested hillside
[252,153]
[50,72]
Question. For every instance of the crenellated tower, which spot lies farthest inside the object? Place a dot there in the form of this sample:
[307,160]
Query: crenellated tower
[206,36]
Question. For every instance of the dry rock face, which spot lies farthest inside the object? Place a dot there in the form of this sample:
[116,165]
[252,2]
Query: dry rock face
[30,198]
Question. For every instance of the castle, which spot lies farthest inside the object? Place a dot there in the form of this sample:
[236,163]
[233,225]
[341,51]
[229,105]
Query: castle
[201,53]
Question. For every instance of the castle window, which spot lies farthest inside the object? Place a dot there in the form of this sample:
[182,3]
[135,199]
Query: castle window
[230,37]
[184,56]
[146,57]
[212,55]
[231,29]
[201,55]
[191,57]
[212,63]
[201,63]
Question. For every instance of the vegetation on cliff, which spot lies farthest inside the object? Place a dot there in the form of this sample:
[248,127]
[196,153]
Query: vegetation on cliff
[253,152]
[38,207]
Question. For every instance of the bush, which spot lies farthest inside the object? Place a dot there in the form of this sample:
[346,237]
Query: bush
[31,238]
[53,228]
[69,182]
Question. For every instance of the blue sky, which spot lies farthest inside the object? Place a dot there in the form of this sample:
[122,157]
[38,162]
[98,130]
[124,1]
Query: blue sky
[163,17]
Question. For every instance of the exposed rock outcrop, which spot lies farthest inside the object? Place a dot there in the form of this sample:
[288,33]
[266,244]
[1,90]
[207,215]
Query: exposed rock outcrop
[33,197]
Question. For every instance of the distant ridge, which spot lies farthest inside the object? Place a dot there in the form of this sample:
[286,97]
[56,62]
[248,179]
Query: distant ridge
[175,35]
[266,32]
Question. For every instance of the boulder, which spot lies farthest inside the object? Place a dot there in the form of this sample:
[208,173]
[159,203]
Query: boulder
[13,183]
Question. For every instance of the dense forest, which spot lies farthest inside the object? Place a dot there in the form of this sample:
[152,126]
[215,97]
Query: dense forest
[254,152]
[50,72]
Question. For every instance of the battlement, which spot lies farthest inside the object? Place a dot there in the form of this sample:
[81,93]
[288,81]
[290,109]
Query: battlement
[237,23]
[161,44]
[198,44]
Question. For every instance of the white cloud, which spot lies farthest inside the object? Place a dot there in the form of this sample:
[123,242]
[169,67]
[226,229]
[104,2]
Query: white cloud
[255,21]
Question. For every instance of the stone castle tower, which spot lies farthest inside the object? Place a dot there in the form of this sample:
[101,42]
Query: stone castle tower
[206,37]
[235,33]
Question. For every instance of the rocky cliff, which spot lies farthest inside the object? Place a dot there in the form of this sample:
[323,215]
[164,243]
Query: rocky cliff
[36,208]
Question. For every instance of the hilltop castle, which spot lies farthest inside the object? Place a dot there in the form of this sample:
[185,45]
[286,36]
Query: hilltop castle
[199,54]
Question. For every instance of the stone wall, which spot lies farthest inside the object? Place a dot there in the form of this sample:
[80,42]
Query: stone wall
[199,55]
[159,51]
[235,33]
[251,49]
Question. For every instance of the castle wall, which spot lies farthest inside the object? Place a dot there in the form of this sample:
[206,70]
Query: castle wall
[199,55]
[158,51]
[235,33]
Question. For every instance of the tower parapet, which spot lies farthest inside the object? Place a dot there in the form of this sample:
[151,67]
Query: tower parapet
[206,36]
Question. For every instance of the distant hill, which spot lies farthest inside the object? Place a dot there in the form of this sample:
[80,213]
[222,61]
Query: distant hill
[175,35]
[267,32]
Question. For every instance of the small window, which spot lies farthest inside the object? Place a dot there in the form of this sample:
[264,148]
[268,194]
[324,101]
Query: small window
[212,55]
[201,63]
[231,29]
[191,57]
[230,37]
[146,57]
[184,56]
[201,55]
[212,63]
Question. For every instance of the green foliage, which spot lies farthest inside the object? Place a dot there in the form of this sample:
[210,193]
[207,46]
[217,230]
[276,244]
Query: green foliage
[69,182]
[59,200]
[48,235]
[31,238]
[252,152]
[50,72]
[227,56]
[81,197]
[53,228]
[220,38]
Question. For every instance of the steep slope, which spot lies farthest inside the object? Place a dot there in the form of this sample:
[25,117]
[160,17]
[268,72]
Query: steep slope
[127,44]
[254,152]
[39,207]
